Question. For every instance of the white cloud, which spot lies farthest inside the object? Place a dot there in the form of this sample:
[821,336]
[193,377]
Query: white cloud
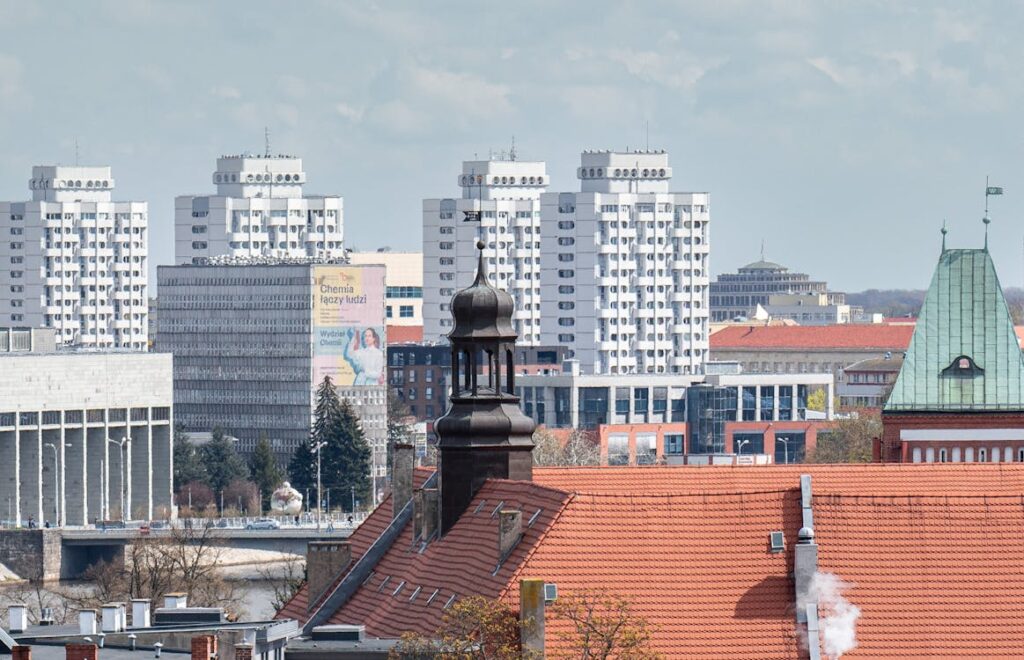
[348,111]
[226,92]
[470,95]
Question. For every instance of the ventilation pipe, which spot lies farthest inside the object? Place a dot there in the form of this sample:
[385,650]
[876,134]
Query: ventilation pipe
[805,566]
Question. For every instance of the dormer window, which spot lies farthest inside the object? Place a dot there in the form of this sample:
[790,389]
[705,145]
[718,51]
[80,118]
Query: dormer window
[963,366]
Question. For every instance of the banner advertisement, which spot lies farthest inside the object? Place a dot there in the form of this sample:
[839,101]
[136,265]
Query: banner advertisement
[348,325]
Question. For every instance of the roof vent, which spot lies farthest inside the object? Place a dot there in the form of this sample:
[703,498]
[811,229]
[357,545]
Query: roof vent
[777,541]
[340,633]
[550,592]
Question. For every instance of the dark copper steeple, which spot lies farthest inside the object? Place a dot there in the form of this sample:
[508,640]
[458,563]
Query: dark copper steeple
[484,435]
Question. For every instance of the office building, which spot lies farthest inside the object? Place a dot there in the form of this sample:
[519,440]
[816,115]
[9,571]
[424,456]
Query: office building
[259,210]
[84,435]
[737,295]
[251,343]
[866,384]
[74,260]
[624,268]
[499,204]
[403,297]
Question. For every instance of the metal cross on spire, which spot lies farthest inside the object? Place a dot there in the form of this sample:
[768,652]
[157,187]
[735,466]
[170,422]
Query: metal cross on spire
[989,191]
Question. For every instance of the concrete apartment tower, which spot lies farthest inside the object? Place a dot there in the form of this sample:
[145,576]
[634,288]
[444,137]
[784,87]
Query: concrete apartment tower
[76,261]
[502,198]
[259,210]
[624,267]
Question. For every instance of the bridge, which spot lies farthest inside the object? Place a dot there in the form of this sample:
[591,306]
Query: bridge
[51,554]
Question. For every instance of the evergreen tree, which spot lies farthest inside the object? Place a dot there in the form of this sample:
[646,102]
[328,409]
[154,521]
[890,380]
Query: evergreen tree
[223,464]
[188,466]
[263,470]
[302,468]
[346,458]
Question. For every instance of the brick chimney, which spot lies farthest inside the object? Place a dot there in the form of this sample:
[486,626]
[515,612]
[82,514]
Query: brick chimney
[81,652]
[204,647]
[424,513]
[243,651]
[510,529]
[21,653]
[325,562]
[402,461]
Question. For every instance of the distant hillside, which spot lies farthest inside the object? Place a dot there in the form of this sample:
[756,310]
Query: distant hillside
[907,302]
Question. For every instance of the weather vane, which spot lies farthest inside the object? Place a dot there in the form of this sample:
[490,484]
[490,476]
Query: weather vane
[989,191]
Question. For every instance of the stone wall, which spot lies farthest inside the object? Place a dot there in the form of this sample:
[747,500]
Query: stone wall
[34,554]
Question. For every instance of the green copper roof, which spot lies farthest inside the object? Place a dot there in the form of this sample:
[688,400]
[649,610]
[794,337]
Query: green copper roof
[964,354]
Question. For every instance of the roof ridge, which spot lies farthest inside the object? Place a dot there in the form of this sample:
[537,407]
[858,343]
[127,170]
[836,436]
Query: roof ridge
[512,579]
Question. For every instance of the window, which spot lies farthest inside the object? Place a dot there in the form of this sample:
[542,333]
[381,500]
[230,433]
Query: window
[566,273]
[566,257]
[405,311]
[566,339]
[566,288]
[446,245]
[387,311]
[566,305]
[674,444]
[566,240]
[446,230]
[404,292]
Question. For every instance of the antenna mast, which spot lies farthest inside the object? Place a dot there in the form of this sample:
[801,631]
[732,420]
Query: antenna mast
[266,141]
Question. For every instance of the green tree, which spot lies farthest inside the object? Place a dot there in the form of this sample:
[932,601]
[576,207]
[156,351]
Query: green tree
[849,440]
[188,466]
[263,470]
[346,457]
[302,468]
[223,464]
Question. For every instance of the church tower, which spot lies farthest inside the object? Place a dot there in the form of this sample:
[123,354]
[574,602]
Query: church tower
[484,435]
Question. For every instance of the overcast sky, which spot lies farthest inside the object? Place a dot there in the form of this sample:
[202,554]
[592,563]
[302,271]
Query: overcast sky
[842,133]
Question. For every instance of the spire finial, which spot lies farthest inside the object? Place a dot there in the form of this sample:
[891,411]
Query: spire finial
[989,191]
[944,232]
[762,249]
[481,266]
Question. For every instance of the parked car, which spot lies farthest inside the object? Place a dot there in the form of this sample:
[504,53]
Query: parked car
[264,523]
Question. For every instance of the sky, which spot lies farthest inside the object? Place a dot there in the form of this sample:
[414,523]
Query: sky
[842,134]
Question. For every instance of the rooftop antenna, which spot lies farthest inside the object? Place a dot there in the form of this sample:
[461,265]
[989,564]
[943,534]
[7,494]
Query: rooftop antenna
[944,232]
[762,249]
[989,191]
[512,151]
[266,141]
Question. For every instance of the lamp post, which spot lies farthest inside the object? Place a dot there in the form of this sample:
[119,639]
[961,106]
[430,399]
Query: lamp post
[785,447]
[56,485]
[319,493]
[124,472]
[353,500]
[739,448]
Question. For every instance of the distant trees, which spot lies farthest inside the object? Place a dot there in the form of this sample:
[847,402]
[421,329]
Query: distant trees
[188,466]
[474,628]
[579,448]
[222,462]
[345,457]
[849,440]
[263,470]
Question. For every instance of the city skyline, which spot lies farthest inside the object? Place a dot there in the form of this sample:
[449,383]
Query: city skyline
[798,117]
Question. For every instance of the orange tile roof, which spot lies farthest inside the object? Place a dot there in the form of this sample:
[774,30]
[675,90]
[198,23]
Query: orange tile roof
[404,334]
[839,337]
[932,554]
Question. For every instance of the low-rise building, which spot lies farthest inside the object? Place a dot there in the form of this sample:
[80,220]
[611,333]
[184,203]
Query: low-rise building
[808,308]
[866,384]
[737,295]
[83,435]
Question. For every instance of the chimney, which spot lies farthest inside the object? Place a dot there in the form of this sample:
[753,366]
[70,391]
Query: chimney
[805,565]
[140,613]
[20,652]
[17,618]
[87,622]
[510,529]
[176,601]
[81,652]
[325,562]
[425,513]
[243,651]
[531,617]
[112,617]
[402,456]
[204,647]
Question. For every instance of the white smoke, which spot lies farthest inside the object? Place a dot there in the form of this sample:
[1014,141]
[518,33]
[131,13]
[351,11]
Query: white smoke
[837,620]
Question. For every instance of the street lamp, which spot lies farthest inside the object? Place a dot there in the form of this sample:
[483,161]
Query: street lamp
[124,474]
[319,493]
[785,447]
[739,447]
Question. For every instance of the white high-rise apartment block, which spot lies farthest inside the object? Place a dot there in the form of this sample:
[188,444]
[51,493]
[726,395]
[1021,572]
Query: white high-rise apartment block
[259,211]
[506,195]
[76,261]
[624,268]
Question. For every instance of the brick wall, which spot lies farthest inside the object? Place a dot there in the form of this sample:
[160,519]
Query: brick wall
[892,449]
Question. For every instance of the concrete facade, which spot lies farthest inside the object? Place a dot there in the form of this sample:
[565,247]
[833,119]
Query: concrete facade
[624,268]
[242,339]
[259,210]
[504,194]
[80,433]
[76,261]
[404,281]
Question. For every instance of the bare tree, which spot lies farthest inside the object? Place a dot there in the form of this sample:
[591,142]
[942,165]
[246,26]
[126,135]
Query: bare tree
[35,597]
[578,448]
[474,628]
[284,578]
[602,626]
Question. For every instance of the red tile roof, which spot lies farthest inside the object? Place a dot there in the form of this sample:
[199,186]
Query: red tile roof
[932,554]
[405,334]
[837,337]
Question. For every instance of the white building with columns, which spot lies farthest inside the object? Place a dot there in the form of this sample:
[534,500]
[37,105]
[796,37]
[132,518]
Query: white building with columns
[84,436]
[259,210]
[74,260]
[502,198]
[624,268]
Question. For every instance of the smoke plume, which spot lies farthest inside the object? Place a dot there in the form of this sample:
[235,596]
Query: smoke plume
[837,620]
